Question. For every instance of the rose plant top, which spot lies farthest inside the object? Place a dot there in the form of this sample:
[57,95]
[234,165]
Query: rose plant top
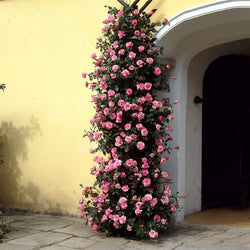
[131,128]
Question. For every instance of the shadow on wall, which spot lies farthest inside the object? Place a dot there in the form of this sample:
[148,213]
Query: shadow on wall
[14,152]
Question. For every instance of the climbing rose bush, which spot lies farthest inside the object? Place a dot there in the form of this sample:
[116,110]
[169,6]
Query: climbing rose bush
[131,194]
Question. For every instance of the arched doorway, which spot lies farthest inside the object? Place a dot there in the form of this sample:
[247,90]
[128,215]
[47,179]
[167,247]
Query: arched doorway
[194,39]
[226,132]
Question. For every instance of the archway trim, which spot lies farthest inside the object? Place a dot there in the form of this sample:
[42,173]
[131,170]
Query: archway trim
[198,11]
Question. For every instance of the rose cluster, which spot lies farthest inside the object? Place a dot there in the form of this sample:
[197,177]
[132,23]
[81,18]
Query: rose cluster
[131,127]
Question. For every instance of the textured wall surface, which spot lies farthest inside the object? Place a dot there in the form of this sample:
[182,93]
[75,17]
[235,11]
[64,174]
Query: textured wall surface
[45,46]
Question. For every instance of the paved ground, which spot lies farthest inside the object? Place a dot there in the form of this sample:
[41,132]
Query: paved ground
[47,232]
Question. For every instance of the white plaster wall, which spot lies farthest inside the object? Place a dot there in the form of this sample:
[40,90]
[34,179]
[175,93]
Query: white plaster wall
[194,41]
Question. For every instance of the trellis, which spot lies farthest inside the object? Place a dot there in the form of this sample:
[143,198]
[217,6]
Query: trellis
[135,3]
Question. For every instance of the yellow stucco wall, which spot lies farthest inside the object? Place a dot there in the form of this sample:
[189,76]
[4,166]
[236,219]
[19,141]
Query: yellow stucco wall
[45,45]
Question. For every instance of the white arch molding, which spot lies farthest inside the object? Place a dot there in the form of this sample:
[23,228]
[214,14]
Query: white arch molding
[194,39]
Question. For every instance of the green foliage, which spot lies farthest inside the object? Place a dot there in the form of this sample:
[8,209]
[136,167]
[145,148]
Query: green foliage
[131,129]
[2,87]
[4,226]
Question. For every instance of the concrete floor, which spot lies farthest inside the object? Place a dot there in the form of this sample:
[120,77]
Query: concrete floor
[48,232]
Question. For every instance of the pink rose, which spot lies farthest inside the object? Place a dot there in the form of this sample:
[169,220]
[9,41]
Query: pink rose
[140,145]
[129,228]
[125,188]
[96,135]
[129,44]
[148,197]
[128,139]
[165,21]
[139,126]
[163,221]
[149,60]
[131,55]
[161,118]
[165,200]
[124,205]
[129,91]
[111,18]
[144,172]
[125,73]
[153,234]
[163,160]
[129,162]
[144,132]
[120,13]
[140,116]
[140,63]
[157,71]
[141,99]
[116,224]
[141,48]
[149,52]
[117,24]
[143,35]
[176,102]
[93,56]
[111,92]
[150,12]
[147,85]
[134,22]
[114,150]
[148,97]
[168,66]
[146,182]
[127,106]
[123,200]
[109,125]
[156,105]
[136,32]
[84,75]
[118,141]
[98,63]
[95,227]
[138,211]
[160,148]
[158,126]
[140,86]
[123,175]
[157,218]
[121,52]
[115,68]
[127,126]
[104,218]
[136,12]
[113,76]
[153,202]
[113,58]
[121,33]
[131,68]
[170,128]
[122,219]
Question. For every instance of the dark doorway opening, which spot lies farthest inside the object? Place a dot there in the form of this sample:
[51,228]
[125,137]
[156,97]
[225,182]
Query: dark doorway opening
[226,132]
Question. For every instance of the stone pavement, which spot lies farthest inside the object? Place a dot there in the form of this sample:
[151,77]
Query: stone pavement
[48,232]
